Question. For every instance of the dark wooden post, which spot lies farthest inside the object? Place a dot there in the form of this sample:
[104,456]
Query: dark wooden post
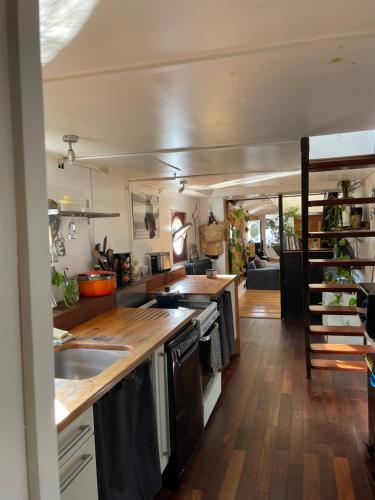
[305,151]
[281,239]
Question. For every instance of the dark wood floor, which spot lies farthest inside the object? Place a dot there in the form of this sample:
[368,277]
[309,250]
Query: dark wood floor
[273,435]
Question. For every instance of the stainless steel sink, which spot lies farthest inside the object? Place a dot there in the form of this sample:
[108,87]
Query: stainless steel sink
[77,364]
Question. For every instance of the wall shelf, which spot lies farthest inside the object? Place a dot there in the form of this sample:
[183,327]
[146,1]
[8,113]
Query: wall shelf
[88,215]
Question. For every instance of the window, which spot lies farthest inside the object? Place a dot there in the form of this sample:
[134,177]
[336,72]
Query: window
[179,244]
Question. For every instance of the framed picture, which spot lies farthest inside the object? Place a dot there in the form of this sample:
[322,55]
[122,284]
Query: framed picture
[254,233]
[146,222]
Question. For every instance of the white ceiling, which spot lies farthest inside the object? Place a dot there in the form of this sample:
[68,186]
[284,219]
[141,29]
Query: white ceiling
[167,77]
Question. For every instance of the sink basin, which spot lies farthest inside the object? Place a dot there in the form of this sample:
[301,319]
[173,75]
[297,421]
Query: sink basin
[78,364]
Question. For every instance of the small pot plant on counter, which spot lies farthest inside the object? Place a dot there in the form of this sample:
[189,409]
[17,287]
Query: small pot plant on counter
[67,287]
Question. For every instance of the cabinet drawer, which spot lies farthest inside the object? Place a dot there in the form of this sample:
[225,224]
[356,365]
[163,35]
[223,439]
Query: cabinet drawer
[72,437]
[78,474]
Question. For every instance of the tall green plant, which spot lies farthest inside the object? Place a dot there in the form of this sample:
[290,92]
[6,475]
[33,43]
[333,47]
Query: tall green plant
[238,247]
[289,217]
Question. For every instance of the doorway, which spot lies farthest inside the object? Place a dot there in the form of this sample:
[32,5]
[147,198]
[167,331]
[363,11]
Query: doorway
[254,255]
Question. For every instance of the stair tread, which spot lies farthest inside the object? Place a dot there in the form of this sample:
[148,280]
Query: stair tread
[342,262]
[341,201]
[333,287]
[341,163]
[350,310]
[337,330]
[350,233]
[338,364]
[353,349]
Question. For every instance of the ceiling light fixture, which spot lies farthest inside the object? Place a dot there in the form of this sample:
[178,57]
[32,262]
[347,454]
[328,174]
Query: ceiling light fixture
[60,21]
[183,183]
[70,139]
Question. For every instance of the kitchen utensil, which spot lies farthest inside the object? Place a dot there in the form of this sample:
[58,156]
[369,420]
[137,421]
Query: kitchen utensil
[109,256]
[72,229]
[96,283]
[104,260]
[105,244]
[101,258]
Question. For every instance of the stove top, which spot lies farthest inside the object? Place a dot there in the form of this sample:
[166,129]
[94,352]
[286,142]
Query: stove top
[205,312]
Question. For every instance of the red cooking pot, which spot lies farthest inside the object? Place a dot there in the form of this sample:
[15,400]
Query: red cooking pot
[96,283]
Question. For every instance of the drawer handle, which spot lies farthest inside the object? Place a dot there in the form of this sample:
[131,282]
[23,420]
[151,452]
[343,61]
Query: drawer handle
[84,460]
[82,431]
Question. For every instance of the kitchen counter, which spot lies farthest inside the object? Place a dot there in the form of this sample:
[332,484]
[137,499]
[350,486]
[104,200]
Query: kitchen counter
[89,307]
[199,285]
[138,331]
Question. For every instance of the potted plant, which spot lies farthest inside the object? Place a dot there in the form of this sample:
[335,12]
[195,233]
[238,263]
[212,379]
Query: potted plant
[290,216]
[353,216]
[67,287]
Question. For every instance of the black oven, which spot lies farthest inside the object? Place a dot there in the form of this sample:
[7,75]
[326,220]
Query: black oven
[185,401]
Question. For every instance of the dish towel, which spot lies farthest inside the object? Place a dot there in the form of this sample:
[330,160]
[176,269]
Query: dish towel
[215,350]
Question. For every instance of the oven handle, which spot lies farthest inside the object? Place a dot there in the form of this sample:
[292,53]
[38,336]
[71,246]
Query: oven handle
[205,338]
[207,335]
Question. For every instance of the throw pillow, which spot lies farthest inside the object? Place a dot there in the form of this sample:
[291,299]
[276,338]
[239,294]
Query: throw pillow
[257,262]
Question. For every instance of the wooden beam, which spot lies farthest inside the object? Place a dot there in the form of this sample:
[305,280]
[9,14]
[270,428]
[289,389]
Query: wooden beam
[342,163]
[341,201]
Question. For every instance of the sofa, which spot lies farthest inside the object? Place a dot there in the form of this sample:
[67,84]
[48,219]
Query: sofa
[262,278]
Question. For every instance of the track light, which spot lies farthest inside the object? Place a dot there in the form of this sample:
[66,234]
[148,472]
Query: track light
[183,182]
[70,139]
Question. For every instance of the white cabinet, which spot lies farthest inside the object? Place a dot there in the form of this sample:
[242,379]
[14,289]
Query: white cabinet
[78,474]
[160,386]
[77,464]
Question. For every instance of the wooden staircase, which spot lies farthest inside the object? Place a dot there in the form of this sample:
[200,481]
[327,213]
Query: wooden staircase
[311,312]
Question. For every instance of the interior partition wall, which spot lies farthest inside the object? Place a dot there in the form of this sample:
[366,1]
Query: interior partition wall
[28,456]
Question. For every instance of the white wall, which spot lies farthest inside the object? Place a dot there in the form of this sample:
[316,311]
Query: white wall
[168,202]
[109,193]
[106,193]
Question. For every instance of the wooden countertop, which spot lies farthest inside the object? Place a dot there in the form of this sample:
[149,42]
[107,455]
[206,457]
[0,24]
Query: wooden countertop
[199,285]
[138,331]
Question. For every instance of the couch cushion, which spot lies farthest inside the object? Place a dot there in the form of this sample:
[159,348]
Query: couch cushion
[259,263]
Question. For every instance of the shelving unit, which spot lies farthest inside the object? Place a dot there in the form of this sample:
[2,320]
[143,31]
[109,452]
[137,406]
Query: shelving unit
[310,290]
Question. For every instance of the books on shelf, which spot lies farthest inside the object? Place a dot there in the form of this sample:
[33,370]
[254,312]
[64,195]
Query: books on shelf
[292,242]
